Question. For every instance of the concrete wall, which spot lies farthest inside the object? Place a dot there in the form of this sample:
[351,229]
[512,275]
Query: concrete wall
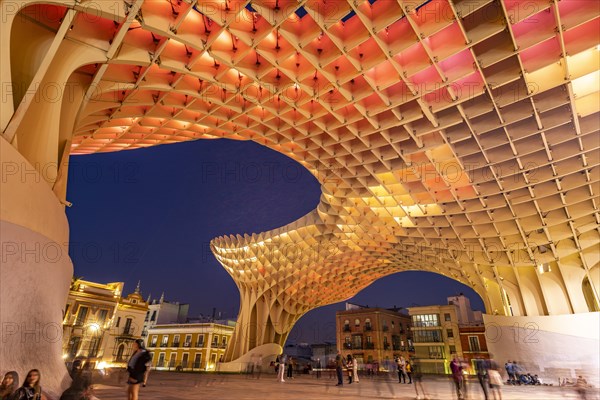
[35,273]
[556,346]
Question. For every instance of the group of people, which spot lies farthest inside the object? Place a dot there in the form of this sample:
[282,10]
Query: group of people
[350,364]
[517,376]
[81,387]
[405,370]
[30,390]
[487,374]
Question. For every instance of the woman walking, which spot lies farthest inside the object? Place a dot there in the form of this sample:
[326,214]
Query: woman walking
[136,367]
[355,370]
[281,370]
[349,366]
[31,389]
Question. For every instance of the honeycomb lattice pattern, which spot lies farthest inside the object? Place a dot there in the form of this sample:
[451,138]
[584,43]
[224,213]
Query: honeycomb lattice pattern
[452,136]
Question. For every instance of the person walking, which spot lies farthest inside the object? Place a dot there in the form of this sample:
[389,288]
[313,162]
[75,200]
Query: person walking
[31,389]
[340,363]
[401,365]
[349,367]
[136,368]
[290,368]
[418,375]
[457,377]
[355,370]
[481,368]
[9,385]
[495,379]
[318,368]
[408,369]
[281,370]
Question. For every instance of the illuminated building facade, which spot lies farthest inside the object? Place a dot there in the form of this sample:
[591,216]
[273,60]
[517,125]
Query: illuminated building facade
[456,137]
[373,335]
[190,346]
[100,325]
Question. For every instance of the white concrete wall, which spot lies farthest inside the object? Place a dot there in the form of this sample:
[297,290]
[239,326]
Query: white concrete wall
[550,346]
[35,273]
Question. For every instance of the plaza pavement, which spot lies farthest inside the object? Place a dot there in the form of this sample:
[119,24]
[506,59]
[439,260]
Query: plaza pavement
[193,386]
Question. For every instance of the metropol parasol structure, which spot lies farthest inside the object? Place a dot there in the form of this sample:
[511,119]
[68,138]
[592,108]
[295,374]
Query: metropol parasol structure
[453,136]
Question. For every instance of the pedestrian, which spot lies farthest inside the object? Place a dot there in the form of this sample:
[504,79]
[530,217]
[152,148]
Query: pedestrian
[349,367]
[408,369]
[355,370]
[31,389]
[457,377]
[418,375]
[81,389]
[481,368]
[340,363]
[136,368]
[281,370]
[290,368]
[318,368]
[581,386]
[495,379]
[9,385]
[401,365]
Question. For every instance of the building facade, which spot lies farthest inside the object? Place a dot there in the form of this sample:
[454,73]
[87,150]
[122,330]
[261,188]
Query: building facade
[189,346]
[99,324]
[162,312]
[373,335]
[473,343]
[436,332]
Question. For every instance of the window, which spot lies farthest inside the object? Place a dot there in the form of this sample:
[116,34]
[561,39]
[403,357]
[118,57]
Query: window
[172,360]
[385,325]
[154,340]
[452,349]
[347,342]
[81,316]
[447,317]
[118,322]
[128,330]
[369,339]
[94,347]
[393,325]
[200,341]
[436,352]
[161,360]
[368,324]
[425,320]
[184,360]
[165,341]
[428,336]
[357,322]
[346,326]
[215,340]
[449,333]
[74,346]
[357,341]
[66,311]
[474,343]
[188,341]
[153,318]
[176,341]
[102,317]
[197,360]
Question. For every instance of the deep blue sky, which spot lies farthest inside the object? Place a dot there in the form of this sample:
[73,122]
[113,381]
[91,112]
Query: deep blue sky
[150,214]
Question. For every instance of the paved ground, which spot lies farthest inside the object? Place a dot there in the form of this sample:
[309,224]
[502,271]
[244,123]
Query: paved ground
[188,386]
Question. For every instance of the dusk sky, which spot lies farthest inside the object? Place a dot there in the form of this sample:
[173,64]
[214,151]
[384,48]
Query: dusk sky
[149,215]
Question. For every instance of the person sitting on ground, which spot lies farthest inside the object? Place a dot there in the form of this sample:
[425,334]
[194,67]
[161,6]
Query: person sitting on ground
[31,389]
[9,385]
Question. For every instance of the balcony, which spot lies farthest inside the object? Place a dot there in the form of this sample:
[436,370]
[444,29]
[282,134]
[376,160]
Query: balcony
[397,347]
[164,344]
[175,344]
[386,328]
[187,344]
[369,346]
[346,328]
[348,346]
[357,346]
[153,344]
[200,344]
[386,346]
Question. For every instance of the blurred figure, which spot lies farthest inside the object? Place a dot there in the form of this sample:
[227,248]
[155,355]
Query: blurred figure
[9,385]
[137,368]
[31,389]
[581,387]
[281,370]
[401,365]
[408,368]
[80,389]
[481,368]
[418,377]
[355,369]
[318,368]
[340,363]
[495,379]
[349,366]
[458,377]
